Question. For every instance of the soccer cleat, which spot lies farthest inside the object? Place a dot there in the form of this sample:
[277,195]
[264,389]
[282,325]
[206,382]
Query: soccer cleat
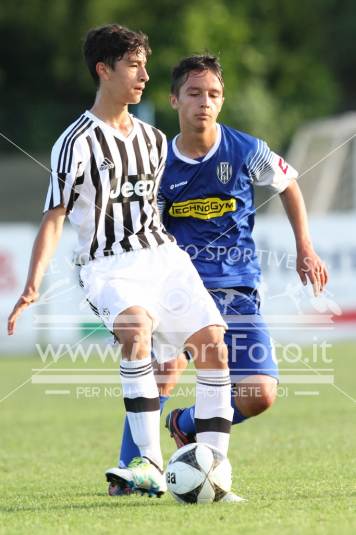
[181,439]
[140,476]
[231,497]
[117,485]
[147,477]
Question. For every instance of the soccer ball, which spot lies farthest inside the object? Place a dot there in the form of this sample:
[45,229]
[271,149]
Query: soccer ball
[198,473]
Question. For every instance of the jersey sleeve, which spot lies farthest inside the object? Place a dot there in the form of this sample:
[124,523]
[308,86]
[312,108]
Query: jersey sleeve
[66,174]
[161,202]
[266,168]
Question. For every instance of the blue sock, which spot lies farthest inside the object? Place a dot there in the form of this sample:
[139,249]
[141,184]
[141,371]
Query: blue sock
[237,417]
[129,450]
[186,421]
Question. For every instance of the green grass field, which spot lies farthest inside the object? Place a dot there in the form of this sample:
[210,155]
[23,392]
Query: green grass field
[296,464]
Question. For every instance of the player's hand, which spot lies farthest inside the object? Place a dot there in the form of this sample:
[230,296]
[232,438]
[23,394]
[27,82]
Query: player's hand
[310,266]
[26,299]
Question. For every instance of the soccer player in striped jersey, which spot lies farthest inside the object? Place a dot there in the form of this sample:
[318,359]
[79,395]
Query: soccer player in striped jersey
[106,169]
[207,199]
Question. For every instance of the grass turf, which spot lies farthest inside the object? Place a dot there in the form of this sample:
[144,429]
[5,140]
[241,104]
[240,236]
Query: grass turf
[296,464]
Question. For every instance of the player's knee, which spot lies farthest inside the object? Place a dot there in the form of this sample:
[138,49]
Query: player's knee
[214,355]
[135,337]
[136,347]
[208,349]
[261,404]
[259,398]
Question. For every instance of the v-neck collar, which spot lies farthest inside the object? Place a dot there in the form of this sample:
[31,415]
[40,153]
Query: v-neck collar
[115,132]
[211,152]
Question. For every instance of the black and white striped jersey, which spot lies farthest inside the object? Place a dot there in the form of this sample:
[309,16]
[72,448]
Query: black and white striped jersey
[108,184]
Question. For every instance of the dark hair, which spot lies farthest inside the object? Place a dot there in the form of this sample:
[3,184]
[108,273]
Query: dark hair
[110,43]
[200,63]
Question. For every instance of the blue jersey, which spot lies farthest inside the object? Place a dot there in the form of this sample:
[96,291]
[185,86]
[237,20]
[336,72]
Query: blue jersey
[208,204]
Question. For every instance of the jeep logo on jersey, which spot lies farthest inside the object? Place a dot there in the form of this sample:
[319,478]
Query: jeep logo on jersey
[224,172]
[131,189]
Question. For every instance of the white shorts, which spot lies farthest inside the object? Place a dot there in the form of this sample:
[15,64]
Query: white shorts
[164,282]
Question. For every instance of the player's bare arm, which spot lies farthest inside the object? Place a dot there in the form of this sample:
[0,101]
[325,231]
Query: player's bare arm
[309,265]
[43,248]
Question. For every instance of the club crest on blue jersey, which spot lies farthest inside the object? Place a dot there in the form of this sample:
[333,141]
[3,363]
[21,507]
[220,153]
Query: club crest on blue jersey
[224,172]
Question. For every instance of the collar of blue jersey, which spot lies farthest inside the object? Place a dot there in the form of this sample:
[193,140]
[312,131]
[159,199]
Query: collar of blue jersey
[211,152]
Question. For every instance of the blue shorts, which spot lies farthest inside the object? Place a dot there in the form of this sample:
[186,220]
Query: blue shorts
[251,350]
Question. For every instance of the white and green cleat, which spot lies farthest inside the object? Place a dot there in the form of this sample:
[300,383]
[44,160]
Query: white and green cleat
[140,476]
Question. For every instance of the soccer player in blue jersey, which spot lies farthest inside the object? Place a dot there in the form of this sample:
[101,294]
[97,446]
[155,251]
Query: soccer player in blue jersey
[207,201]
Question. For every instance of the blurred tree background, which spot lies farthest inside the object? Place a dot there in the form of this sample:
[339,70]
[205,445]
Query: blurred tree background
[284,61]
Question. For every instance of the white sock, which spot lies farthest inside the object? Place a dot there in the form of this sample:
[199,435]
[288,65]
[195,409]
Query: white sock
[213,411]
[141,400]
